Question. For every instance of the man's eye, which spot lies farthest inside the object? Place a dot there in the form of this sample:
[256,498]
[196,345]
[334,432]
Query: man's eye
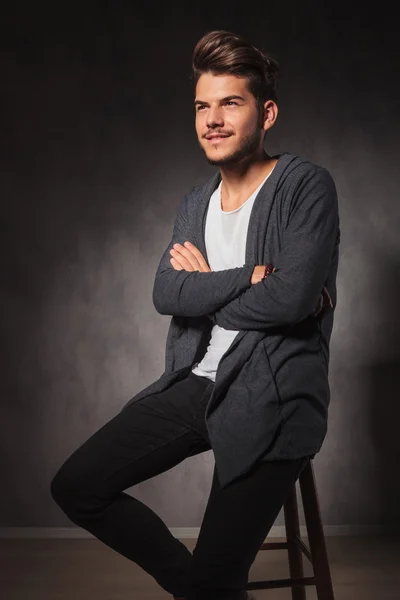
[228,102]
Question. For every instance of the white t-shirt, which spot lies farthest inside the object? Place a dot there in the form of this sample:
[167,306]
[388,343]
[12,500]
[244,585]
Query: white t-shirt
[225,239]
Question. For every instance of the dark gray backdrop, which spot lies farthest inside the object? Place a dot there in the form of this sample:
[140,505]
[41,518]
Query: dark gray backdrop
[98,148]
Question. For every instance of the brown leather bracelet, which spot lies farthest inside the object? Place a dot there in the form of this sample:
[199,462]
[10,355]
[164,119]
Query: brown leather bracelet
[269,268]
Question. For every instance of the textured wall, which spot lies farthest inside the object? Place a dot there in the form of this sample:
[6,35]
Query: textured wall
[98,148]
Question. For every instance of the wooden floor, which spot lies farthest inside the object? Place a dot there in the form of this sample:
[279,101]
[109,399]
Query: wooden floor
[363,568]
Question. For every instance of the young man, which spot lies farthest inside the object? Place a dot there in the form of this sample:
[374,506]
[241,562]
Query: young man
[249,279]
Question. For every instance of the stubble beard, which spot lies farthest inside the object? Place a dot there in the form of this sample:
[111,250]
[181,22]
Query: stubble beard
[249,146]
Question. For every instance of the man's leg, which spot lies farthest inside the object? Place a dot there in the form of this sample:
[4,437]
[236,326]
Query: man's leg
[147,438]
[236,521]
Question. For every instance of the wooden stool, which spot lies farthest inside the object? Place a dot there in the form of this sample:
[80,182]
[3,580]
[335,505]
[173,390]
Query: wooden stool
[316,553]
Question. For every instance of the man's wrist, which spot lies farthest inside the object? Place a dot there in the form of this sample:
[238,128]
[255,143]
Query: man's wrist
[260,272]
[268,269]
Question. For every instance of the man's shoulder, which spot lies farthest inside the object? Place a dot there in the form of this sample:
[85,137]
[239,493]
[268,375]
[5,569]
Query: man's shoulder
[301,168]
[308,183]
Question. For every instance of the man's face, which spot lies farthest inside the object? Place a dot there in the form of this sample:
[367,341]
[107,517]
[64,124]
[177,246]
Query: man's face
[224,106]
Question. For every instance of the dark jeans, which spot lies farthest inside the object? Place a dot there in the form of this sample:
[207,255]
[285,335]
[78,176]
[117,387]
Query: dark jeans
[147,438]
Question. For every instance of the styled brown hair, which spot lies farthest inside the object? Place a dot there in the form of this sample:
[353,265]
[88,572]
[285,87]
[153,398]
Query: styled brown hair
[222,52]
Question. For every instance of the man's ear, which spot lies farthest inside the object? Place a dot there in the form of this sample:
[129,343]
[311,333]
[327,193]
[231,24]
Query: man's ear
[270,114]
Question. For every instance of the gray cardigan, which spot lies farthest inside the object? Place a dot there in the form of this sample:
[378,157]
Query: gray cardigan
[271,393]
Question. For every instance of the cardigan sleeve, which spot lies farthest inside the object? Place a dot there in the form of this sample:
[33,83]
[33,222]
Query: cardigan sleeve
[194,293]
[290,294]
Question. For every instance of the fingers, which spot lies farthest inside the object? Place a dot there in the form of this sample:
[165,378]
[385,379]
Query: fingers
[183,260]
[176,265]
[324,301]
[327,296]
[198,255]
[188,257]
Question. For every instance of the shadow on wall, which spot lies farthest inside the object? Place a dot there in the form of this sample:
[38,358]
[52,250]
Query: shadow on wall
[385,435]
[384,386]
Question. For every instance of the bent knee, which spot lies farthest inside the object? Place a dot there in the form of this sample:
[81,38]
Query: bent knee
[66,490]
[62,488]
[76,495]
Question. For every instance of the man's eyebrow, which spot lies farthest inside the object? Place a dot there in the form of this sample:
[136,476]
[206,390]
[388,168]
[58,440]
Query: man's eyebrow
[226,99]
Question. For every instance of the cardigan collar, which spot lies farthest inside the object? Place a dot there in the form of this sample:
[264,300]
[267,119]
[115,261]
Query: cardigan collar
[264,194]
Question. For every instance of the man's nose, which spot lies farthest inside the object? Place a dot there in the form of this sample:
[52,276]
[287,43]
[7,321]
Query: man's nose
[214,117]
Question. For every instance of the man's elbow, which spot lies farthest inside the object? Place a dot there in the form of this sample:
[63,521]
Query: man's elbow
[165,305]
[160,307]
[160,301]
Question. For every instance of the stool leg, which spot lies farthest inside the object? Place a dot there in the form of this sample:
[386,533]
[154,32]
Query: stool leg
[316,535]
[294,551]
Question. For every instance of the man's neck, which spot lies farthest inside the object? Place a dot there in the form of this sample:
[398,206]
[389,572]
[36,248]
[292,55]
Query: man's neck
[241,181]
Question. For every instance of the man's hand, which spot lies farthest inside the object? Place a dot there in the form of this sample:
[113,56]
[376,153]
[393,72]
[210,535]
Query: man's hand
[188,258]
[258,273]
[324,302]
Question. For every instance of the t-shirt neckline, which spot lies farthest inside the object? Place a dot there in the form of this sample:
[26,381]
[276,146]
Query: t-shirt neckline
[229,212]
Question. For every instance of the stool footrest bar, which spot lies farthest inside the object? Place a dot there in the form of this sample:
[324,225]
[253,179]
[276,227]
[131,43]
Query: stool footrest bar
[279,583]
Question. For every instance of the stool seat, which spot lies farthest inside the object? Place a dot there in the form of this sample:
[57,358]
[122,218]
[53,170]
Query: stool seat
[316,552]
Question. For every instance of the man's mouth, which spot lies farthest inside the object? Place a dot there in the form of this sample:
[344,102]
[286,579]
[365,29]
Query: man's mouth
[217,138]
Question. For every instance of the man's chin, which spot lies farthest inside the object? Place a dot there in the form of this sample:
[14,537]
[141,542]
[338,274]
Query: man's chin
[231,159]
[216,161]
[222,160]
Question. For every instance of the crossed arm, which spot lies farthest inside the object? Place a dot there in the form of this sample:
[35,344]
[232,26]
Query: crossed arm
[194,292]
[236,298]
